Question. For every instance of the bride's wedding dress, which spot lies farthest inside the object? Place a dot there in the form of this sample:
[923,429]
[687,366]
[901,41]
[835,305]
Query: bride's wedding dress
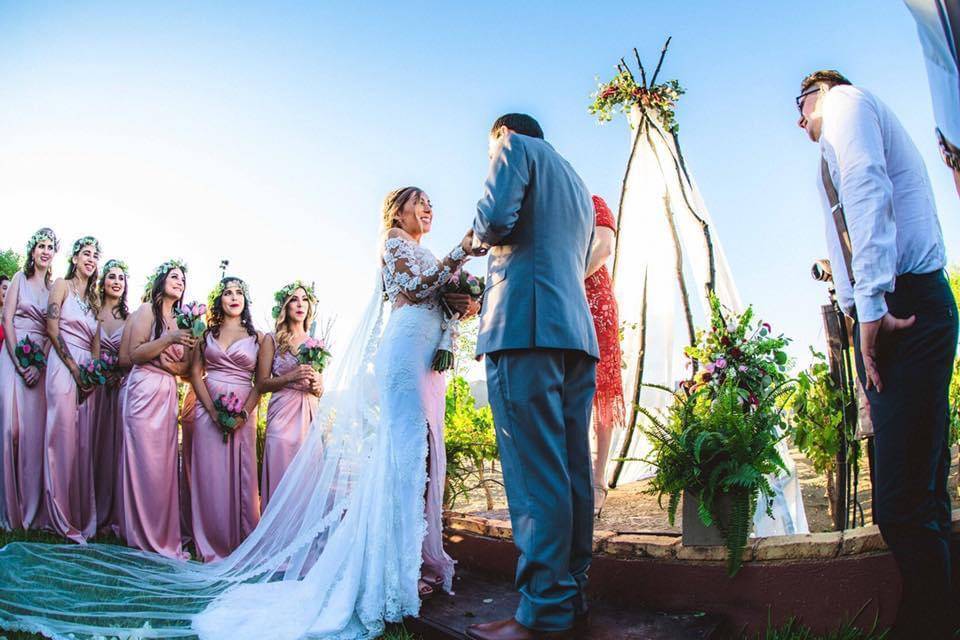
[341,545]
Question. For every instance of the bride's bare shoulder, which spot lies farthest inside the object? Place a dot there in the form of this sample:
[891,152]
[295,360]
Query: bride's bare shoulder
[396,232]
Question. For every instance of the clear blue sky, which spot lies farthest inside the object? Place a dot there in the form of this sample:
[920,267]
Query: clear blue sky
[269,133]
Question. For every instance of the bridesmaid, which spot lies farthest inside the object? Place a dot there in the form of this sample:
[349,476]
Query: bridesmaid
[158,350]
[225,503]
[108,424]
[68,462]
[4,285]
[608,407]
[295,388]
[23,407]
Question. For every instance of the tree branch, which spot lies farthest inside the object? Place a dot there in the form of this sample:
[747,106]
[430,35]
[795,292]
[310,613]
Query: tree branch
[663,52]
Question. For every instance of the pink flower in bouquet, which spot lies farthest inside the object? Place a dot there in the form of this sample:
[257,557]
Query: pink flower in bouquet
[710,367]
[26,347]
[721,363]
[742,368]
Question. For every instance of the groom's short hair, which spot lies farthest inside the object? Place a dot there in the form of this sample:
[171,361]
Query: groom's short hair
[519,123]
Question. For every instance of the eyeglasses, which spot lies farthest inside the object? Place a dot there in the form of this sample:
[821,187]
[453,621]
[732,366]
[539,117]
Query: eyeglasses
[799,98]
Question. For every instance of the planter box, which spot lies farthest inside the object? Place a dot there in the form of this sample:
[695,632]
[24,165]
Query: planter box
[697,534]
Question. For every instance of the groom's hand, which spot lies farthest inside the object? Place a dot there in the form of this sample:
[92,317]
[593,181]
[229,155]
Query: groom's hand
[479,248]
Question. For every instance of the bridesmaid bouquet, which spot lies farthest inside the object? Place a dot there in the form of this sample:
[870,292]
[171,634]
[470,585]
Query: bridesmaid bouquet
[229,411]
[93,373]
[30,354]
[314,352]
[110,366]
[190,316]
[464,283]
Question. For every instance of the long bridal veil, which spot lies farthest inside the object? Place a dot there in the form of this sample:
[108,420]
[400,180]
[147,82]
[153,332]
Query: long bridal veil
[310,554]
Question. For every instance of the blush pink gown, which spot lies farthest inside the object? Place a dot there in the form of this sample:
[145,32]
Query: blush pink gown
[150,503]
[68,461]
[107,442]
[188,412]
[289,416]
[23,415]
[225,502]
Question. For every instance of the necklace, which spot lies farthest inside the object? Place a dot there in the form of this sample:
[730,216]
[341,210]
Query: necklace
[84,305]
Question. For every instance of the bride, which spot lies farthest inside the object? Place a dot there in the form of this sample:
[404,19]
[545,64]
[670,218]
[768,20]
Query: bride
[352,537]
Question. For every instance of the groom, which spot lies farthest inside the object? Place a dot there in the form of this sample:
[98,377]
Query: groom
[536,331]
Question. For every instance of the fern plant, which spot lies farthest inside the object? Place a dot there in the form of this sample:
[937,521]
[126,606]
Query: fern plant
[713,443]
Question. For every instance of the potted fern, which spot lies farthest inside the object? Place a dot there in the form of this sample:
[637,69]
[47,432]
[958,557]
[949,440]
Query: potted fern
[716,444]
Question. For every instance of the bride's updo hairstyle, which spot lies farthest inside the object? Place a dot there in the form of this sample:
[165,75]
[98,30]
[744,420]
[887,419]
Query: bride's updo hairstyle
[394,203]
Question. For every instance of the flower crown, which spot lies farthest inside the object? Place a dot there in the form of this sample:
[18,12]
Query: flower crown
[167,266]
[83,242]
[42,234]
[222,285]
[280,297]
[113,263]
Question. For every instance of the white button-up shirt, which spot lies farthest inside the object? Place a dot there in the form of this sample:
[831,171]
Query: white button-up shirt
[886,196]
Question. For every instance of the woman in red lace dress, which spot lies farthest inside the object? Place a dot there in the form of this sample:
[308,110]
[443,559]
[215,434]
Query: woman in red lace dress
[608,408]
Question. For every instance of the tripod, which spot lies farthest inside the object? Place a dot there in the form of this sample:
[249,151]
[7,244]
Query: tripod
[840,356]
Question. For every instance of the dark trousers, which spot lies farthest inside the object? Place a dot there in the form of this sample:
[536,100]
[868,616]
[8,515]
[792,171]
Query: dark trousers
[911,426]
[541,401]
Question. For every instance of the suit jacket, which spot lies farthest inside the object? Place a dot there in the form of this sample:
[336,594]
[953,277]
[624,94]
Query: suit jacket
[537,215]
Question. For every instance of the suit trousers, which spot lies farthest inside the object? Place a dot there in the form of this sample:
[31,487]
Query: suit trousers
[911,440]
[541,401]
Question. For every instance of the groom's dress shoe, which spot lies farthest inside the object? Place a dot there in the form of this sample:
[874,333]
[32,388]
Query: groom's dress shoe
[510,629]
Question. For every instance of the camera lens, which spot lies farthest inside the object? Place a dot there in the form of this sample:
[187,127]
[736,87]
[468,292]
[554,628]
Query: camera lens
[821,271]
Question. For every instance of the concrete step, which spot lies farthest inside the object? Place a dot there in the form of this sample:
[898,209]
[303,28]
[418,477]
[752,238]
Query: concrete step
[482,599]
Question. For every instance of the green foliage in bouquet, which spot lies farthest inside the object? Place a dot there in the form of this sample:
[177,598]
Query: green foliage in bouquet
[622,93]
[817,415]
[470,442]
[711,445]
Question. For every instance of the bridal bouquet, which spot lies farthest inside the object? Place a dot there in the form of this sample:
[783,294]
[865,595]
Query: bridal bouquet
[190,316]
[314,352]
[229,409]
[30,354]
[460,282]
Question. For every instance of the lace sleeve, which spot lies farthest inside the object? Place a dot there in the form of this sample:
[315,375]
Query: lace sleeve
[414,271]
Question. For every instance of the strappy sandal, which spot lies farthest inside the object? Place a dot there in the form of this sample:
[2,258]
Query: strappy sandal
[425,589]
[599,499]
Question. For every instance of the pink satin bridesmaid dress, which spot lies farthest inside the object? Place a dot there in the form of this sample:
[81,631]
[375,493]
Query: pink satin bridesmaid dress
[68,461]
[107,441]
[225,502]
[289,416]
[150,500]
[23,415]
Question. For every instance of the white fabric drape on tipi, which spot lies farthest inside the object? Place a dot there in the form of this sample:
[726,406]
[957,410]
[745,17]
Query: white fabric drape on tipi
[646,254]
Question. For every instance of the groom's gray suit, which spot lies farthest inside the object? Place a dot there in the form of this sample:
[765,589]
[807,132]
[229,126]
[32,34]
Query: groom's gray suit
[537,333]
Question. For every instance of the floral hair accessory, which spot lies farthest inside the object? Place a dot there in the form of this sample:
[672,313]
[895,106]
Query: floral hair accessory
[42,234]
[280,297]
[222,286]
[113,263]
[83,242]
[164,268]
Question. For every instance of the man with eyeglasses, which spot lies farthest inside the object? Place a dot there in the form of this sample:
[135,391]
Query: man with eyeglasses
[888,259]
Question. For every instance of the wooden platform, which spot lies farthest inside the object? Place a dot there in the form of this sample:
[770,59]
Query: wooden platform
[481,599]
